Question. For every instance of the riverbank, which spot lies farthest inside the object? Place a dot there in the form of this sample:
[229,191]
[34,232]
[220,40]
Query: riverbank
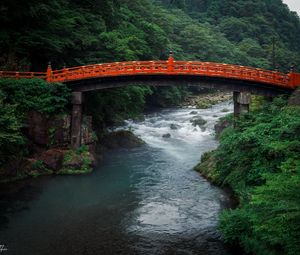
[207,99]
[259,160]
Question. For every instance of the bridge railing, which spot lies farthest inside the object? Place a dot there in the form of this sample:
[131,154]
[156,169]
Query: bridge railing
[177,68]
[113,69]
[231,71]
[169,67]
[22,75]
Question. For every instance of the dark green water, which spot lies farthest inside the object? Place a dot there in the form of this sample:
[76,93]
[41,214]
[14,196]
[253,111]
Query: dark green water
[142,201]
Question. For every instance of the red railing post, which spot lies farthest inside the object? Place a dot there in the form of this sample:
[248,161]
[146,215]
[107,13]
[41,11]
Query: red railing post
[170,63]
[49,73]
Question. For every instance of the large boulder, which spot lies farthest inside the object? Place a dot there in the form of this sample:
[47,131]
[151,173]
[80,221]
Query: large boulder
[75,161]
[121,139]
[35,167]
[221,125]
[53,159]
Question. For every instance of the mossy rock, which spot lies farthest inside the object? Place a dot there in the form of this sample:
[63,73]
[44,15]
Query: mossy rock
[203,105]
[121,139]
[207,167]
[222,124]
[225,110]
[80,161]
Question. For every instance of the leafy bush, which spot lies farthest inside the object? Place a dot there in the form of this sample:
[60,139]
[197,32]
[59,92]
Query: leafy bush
[35,94]
[260,161]
[11,139]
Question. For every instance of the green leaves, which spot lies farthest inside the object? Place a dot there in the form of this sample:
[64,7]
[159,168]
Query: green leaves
[260,161]
[11,139]
[35,94]
[78,33]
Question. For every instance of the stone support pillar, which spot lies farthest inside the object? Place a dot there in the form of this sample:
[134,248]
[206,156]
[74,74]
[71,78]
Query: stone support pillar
[242,102]
[76,120]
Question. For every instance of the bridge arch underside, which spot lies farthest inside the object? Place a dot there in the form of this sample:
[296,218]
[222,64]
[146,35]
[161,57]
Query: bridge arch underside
[97,84]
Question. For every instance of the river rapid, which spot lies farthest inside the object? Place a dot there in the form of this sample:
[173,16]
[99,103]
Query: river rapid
[146,200]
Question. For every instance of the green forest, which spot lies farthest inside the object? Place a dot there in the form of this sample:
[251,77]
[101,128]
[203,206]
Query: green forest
[258,159]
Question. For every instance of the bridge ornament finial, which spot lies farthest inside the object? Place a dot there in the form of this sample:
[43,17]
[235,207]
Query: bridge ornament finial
[49,72]
[171,62]
[171,55]
[292,68]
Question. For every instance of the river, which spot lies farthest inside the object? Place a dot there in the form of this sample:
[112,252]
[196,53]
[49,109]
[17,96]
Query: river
[146,200]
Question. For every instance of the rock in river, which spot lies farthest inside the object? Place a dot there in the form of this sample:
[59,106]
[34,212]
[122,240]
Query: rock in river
[198,122]
[174,126]
[121,139]
[166,135]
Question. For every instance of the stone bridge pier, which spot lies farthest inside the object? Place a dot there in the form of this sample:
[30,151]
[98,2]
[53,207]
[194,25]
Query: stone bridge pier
[77,101]
[241,102]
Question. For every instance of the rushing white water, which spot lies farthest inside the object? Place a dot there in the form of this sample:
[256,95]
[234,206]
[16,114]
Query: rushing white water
[145,201]
[186,139]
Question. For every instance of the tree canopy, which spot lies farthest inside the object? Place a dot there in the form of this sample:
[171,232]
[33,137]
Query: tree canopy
[81,32]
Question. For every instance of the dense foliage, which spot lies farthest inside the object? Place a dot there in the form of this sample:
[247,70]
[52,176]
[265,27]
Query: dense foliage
[17,98]
[251,26]
[35,94]
[260,160]
[83,32]
[11,140]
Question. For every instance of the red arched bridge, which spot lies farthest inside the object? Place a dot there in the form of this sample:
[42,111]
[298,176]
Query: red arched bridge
[75,75]
[170,72]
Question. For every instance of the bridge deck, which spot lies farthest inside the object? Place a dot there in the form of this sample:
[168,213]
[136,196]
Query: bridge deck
[169,67]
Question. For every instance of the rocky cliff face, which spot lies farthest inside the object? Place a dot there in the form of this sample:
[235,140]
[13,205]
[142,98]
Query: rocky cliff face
[48,148]
[46,131]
